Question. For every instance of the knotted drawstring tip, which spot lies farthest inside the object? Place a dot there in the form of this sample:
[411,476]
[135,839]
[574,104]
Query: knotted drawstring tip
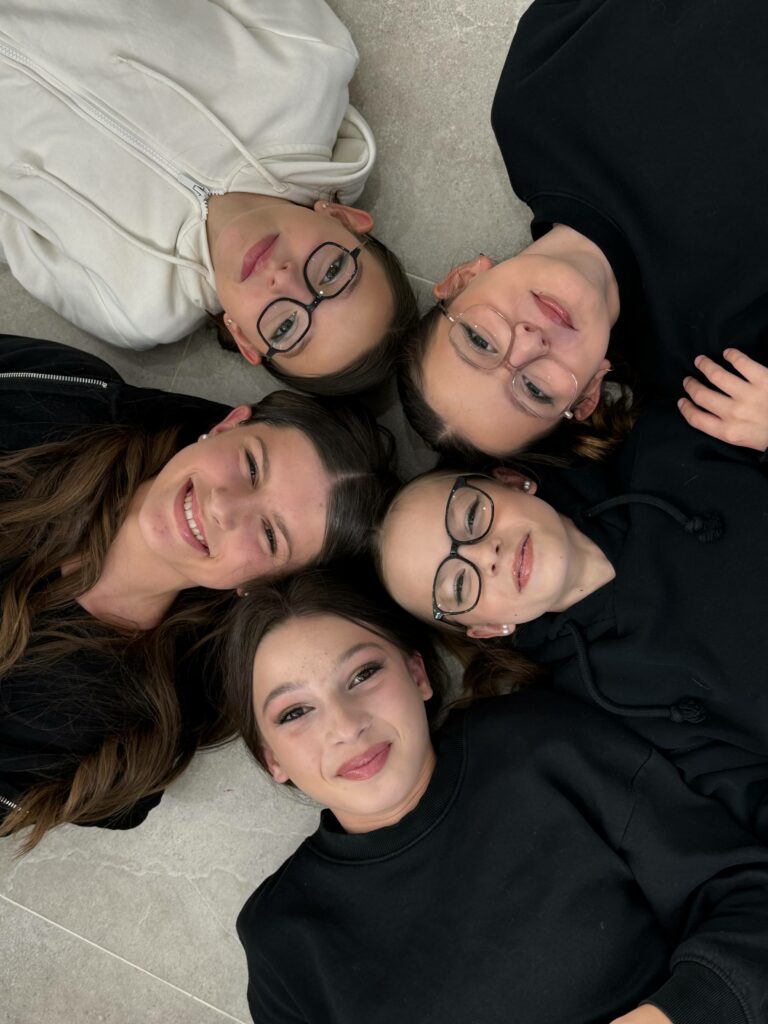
[705,527]
[688,710]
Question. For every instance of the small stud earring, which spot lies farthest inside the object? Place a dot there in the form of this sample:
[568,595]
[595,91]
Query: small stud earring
[228,321]
[505,629]
[527,485]
[325,206]
[203,437]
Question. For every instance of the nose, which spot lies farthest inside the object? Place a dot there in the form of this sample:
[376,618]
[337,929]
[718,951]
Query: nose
[347,722]
[283,276]
[230,507]
[485,554]
[527,343]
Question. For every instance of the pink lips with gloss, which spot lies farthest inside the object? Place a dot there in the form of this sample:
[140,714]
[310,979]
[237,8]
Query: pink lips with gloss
[524,562]
[181,519]
[366,765]
[552,309]
[257,255]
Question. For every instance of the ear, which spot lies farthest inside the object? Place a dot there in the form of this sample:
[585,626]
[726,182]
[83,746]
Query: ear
[357,220]
[590,398]
[489,630]
[457,279]
[273,766]
[419,675]
[512,478]
[233,419]
[247,348]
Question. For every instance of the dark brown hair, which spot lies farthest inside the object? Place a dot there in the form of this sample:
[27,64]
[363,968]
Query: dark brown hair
[63,502]
[314,592]
[594,438]
[373,367]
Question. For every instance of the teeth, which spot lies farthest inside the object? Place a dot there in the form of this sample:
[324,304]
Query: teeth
[190,519]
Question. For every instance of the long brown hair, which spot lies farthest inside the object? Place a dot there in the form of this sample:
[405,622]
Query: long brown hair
[63,502]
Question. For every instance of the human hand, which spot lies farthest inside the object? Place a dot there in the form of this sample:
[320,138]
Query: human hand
[736,413]
[643,1015]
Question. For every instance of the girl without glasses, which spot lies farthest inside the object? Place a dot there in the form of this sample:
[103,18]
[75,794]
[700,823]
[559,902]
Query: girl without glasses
[639,584]
[125,530]
[509,865]
[646,184]
[189,157]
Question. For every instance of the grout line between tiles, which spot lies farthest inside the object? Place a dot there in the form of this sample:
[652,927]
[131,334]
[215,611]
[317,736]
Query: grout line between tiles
[122,959]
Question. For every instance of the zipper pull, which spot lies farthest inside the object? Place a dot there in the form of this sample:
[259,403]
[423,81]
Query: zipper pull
[202,193]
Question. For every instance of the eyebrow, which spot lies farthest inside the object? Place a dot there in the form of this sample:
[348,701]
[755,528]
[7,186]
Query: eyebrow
[292,687]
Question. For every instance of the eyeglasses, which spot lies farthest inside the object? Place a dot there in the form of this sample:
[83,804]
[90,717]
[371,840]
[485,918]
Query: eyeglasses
[328,271]
[468,518]
[541,386]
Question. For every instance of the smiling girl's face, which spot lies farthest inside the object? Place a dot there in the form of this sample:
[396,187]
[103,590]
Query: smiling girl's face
[341,715]
[247,501]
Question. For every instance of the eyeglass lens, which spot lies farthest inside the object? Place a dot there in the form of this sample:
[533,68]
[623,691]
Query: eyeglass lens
[468,519]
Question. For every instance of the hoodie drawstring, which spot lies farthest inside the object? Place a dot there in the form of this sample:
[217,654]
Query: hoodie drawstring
[705,527]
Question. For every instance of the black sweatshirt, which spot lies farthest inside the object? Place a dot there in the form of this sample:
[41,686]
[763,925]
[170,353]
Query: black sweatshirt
[677,643]
[642,125]
[49,392]
[557,869]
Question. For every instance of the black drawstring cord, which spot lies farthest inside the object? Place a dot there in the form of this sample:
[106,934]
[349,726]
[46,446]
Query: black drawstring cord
[686,710]
[705,527]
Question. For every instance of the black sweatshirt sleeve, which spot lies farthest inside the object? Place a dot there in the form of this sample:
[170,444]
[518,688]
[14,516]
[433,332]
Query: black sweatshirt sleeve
[707,881]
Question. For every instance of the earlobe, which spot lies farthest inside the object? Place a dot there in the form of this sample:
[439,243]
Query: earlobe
[512,478]
[273,766]
[247,350]
[457,278]
[590,398]
[489,630]
[352,217]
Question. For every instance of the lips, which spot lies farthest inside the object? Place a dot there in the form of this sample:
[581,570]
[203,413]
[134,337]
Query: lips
[188,518]
[367,764]
[553,310]
[257,256]
[523,563]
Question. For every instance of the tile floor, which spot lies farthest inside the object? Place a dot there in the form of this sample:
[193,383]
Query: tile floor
[122,928]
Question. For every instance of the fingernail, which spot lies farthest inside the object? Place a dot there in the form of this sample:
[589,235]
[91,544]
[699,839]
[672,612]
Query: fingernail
[697,360]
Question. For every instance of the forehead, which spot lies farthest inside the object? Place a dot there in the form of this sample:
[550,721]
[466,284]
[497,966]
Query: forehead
[474,404]
[346,327]
[305,649]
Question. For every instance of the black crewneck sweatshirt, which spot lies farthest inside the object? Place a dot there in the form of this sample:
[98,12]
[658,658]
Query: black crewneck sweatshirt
[557,868]
[642,125]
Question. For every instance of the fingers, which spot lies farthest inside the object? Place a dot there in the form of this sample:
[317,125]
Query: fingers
[716,374]
[716,402]
[703,421]
[751,370]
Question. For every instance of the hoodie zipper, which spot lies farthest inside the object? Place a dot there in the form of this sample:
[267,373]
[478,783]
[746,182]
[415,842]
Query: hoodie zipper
[59,378]
[5,802]
[201,192]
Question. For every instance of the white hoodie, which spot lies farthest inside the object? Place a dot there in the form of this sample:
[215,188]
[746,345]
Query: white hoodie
[119,117]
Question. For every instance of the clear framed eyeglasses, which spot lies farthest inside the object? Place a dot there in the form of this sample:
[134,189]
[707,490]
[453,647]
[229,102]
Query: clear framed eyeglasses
[468,518]
[541,386]
[328,271]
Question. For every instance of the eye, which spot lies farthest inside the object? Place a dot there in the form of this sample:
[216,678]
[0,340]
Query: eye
[458,586]
[334,269]
[293,714]
[472,516]
[283,329]
[253,468]
[269,533]
[365,673]
[535,392]
[478,342]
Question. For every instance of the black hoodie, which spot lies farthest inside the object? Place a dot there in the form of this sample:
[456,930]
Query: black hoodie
[642,125]
[677,643]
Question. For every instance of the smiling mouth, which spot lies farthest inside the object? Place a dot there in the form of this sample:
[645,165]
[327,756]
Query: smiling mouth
[553,311]
[367,764]
[197,533]
[524,563]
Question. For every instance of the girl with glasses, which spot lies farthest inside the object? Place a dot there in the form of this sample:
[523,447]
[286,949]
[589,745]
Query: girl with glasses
[647,238]
[509,864]
[638,584]
[129,521]
[197,162]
